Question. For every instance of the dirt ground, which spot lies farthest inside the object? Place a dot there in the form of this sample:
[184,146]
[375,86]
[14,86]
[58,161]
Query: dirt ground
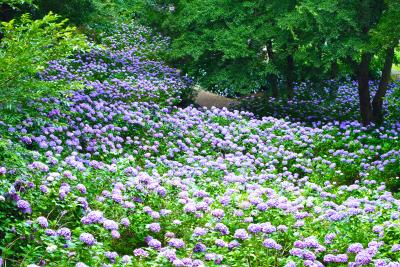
[208,99]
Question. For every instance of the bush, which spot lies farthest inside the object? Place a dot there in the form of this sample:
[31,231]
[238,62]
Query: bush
[26,48]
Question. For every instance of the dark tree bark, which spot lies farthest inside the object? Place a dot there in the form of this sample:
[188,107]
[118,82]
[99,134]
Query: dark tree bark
[377,102]
[272,78]
[352,64]
[363,89]
[290,77]
[334,69]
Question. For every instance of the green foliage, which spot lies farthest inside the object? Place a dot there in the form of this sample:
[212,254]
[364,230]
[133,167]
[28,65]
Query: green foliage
[223,43]
[234,47]
[77,11]
[13,156]
[396,59]
[105,14]
[15,3]
[25,50]
[387,31]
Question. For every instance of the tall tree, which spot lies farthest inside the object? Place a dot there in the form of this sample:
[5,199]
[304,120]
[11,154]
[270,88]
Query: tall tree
[385,38]
[222,42]
[243,46]
[377,102]
[353,33]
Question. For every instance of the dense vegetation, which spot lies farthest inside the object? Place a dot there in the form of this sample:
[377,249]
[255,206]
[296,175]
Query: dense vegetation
[26,47]
[244,46]
[101,163]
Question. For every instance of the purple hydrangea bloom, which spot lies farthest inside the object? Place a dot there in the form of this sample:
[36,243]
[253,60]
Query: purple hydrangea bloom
[50,232]
[219,213]
[139,252]
[396,247]
[110,225]
[64,232]
[154,227]
[241,234]
[290,264]
[87,239]
[154,243]
[24,206]
[220,243]
[199,247]
[95,216]
[270,243]
[81,188]
[125,222]
[42,221]
[222,228]
[177,243]
[355,248]
[363,258]
[115,234]
[199,231]
[111,255]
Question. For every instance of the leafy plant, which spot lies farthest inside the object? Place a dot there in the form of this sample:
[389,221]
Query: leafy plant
[25,50]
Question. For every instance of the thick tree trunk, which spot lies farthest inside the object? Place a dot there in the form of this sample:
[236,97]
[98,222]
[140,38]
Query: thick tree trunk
[377,102]
[272,78]
[363,89]
[290,77]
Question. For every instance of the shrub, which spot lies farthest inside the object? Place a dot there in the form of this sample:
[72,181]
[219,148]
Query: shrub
[26,48]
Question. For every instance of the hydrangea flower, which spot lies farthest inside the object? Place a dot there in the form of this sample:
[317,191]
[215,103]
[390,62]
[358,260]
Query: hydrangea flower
[87,239]
[241,234]
[24,206]
[140,253]
[42,221]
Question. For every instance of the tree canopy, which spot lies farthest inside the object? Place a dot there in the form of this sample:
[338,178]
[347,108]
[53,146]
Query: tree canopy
[243,46]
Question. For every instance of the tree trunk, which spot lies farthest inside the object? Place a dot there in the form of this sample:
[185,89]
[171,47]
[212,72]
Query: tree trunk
[273,81]
[290,77]
[334,69]
[363,89]
[377,102]
[353,65]
[272,78]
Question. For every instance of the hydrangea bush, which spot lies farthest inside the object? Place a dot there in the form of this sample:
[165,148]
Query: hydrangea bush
[336,101]
[119,176]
